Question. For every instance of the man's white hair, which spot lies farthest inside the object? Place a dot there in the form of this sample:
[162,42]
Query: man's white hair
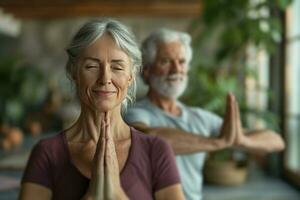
[149,45]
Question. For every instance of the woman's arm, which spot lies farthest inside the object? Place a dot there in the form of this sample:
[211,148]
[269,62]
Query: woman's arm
[32,191]
[173,192]
[36,181]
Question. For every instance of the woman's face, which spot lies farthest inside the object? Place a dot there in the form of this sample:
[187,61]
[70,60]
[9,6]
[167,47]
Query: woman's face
[103,75]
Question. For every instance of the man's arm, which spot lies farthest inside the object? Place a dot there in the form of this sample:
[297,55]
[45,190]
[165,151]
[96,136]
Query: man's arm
[183,142]
[257,141]
[261,141]
[231,135]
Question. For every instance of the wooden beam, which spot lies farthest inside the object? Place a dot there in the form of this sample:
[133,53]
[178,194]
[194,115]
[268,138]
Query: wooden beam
[154,9]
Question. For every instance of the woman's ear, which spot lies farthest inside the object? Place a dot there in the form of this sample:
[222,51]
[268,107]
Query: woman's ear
[130,79]
[74,72]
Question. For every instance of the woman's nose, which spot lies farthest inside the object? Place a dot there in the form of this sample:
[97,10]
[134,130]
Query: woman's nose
[104,76]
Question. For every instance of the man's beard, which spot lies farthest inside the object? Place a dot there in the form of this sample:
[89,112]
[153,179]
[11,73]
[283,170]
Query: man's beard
[171,86]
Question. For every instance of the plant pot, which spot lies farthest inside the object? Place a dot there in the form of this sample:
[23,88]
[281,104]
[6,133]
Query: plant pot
[223,172]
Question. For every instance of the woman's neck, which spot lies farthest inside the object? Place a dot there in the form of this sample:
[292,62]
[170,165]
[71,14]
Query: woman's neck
[88,125]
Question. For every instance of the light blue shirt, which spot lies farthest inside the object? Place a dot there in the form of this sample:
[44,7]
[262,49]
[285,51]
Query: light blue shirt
[192,119]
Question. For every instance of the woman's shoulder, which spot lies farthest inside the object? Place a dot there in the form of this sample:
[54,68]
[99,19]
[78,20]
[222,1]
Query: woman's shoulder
[45,156]
[51,145]
[55,139]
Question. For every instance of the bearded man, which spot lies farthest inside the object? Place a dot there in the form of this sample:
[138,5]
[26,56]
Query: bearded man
[191,131]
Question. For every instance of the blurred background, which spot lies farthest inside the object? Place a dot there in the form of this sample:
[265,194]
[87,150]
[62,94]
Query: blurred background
[250,47]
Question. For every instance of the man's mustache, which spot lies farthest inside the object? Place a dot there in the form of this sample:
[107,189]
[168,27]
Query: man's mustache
[174,77]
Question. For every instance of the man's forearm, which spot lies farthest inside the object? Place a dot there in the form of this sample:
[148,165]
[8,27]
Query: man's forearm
[263,141]
[184,142]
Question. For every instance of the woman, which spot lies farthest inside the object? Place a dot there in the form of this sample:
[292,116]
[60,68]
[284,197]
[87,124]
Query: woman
[100,156]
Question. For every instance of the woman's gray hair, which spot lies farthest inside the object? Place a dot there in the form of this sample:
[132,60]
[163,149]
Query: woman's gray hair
[123,37]
[149,45]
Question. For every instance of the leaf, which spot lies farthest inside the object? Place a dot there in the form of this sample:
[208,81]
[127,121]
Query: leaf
[283,4]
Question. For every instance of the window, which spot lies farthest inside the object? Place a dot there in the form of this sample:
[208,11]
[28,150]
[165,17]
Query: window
[292,93]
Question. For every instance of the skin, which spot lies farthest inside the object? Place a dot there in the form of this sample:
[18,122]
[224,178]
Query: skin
[170,59]
[100,140]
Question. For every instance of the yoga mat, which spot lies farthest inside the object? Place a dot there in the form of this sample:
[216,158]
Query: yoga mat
[14,161]
[8,183]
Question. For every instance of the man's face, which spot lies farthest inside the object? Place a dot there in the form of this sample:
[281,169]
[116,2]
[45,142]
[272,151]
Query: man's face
[168,75]
[170,59]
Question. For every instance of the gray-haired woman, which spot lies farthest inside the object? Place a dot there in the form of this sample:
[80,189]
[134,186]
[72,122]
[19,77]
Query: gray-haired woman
[100,156]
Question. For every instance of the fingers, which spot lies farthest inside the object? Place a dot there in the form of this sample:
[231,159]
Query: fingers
[232,119]
[229,119]
[110,154]
[239,127]
[225,125]
[98,169]
[101,165]
[112,174]
[229,127]
[238,117]
[111,159]
[107,117]
[99,157]
[105,174]
[232,113]
[228,105]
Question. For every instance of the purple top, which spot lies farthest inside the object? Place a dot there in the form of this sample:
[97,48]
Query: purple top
[150,166]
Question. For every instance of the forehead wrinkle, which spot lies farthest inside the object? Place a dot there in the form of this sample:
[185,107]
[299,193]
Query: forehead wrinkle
[118,61]
[92,58]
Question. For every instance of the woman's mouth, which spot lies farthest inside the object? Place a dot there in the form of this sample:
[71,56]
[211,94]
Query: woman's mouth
[103,93]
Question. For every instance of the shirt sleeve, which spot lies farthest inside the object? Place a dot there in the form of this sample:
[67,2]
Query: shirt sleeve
[38,169]
[215,124]
[137,115]
[165,172]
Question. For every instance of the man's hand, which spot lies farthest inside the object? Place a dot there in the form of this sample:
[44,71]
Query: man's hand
[231,131]
[232,134]
[241,138]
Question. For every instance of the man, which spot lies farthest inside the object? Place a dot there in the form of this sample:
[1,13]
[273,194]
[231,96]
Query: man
[190,131]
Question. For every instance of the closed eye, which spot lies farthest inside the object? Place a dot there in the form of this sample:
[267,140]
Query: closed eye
[91,66]
[116,67]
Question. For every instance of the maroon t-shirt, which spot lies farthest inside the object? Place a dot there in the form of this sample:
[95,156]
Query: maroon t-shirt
[150,167]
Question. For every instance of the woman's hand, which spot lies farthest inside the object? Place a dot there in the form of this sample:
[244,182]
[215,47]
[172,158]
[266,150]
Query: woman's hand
[105,179]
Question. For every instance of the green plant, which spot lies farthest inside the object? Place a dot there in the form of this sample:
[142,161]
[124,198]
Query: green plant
[22,88]
[222,36]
